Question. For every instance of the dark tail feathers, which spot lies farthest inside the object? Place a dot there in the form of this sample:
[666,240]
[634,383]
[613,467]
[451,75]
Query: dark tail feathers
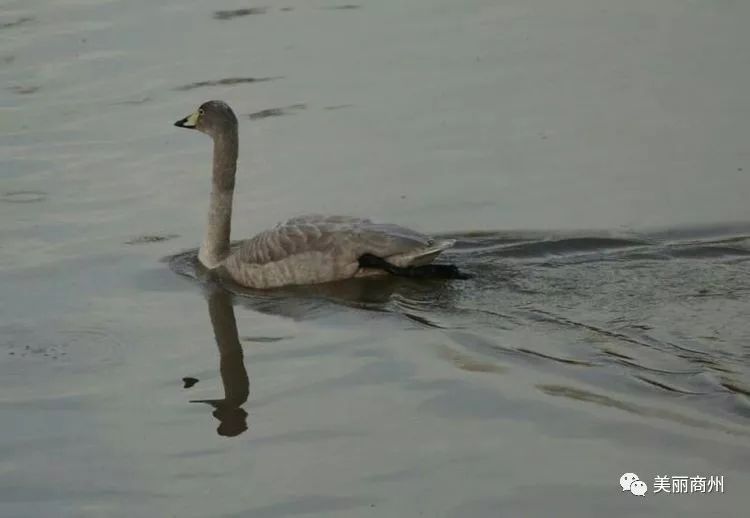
[427,271]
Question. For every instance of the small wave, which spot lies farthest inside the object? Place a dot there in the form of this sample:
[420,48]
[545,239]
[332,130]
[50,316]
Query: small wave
[587,396]
[227,81]
[23,196]
[701,233]
[667,387]
[15,23]
[277,112]
[150,238]
[236,13]
[699,251]
[566,246]
[725,243]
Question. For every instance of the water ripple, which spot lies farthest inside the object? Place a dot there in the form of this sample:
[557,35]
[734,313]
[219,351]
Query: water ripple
[587,307]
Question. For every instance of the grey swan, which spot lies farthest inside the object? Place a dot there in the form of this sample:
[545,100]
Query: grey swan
[304,250]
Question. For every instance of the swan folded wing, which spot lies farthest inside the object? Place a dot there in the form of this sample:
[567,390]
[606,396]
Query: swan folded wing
[343,239]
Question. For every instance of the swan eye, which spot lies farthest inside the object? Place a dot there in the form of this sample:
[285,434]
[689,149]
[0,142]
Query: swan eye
[201,111]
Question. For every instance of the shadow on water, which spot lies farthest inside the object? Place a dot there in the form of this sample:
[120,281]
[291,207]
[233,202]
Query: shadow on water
[228,410]
[659,315]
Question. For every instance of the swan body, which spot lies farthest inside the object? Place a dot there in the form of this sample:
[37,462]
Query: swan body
[303,250]
[313,249]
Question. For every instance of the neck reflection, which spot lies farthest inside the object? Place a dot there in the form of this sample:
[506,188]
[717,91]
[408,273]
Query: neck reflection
[232,418]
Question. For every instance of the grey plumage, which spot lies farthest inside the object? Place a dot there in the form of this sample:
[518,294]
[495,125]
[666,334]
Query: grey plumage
[303,250]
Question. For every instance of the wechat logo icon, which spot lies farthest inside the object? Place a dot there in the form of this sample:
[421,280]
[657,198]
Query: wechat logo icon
[631,482]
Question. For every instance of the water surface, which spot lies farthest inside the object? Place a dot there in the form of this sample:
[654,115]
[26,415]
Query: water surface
[590,158]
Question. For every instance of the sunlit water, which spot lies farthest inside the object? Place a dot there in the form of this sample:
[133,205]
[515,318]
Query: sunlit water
[613,338]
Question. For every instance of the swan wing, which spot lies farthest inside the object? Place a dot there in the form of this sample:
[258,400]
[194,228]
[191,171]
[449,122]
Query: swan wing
[341,236]
[315,248]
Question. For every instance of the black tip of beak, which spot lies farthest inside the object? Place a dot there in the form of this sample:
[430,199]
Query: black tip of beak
[181,123]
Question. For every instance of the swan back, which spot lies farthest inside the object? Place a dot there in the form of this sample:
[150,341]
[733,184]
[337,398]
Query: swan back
[313,249]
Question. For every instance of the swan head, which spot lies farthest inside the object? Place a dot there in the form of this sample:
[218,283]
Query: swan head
[212,118]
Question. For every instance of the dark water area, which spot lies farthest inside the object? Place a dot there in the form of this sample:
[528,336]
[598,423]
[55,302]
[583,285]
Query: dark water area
[586,155]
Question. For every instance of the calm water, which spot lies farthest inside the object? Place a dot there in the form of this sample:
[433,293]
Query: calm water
[589,156]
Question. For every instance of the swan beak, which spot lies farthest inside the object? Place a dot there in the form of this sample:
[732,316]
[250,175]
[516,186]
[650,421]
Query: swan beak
[188,122]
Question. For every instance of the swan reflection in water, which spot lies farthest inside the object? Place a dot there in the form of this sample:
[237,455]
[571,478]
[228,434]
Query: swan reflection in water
[232,417]
[371,295]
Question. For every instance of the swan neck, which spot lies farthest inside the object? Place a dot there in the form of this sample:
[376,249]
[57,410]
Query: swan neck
[215,247]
